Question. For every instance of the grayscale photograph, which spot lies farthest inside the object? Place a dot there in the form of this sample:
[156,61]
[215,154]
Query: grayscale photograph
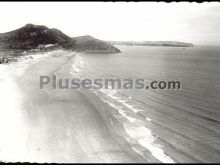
[110,82]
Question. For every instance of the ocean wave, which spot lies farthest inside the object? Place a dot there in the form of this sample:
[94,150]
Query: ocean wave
[77,66]
[146,139]
[140,134]
[126,113]
[120,111]
[112,92]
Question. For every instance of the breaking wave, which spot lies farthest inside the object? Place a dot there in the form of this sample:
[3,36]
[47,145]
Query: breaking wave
[136,132]
[127,115]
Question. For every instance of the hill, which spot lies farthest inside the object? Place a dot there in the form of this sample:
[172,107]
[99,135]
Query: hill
[89,44]
[30,37]
[36,36]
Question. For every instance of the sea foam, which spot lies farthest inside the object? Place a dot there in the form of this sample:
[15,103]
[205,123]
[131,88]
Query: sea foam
[139,133]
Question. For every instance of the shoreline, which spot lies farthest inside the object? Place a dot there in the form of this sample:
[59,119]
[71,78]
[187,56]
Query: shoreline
[139,137]
[54,121]
[132,128]
[121,124]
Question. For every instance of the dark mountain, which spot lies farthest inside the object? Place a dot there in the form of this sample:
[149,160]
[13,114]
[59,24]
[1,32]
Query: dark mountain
[89,44]
[30,37]
[34,36]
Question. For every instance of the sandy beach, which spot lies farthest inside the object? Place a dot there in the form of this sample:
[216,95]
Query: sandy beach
[60,126]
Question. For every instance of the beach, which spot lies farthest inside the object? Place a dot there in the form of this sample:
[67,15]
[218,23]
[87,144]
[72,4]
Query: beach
[170,125]
[97,83]
[59,126]
[55,125]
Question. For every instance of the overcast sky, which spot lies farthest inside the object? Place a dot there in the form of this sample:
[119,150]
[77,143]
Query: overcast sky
[198,23]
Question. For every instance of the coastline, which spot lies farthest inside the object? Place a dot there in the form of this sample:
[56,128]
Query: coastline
[53,121]
[127,124]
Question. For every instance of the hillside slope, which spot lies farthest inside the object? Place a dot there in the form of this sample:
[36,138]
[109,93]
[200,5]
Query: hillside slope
[34,36]
[89,44]
[30,37]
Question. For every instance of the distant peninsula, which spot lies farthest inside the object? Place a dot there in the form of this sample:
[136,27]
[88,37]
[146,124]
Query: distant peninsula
[31,37]
[152,43]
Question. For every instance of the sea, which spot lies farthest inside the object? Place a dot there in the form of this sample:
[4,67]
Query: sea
[171,125]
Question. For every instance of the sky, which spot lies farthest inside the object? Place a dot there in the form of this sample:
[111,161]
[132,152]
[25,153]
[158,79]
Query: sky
[198,23]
